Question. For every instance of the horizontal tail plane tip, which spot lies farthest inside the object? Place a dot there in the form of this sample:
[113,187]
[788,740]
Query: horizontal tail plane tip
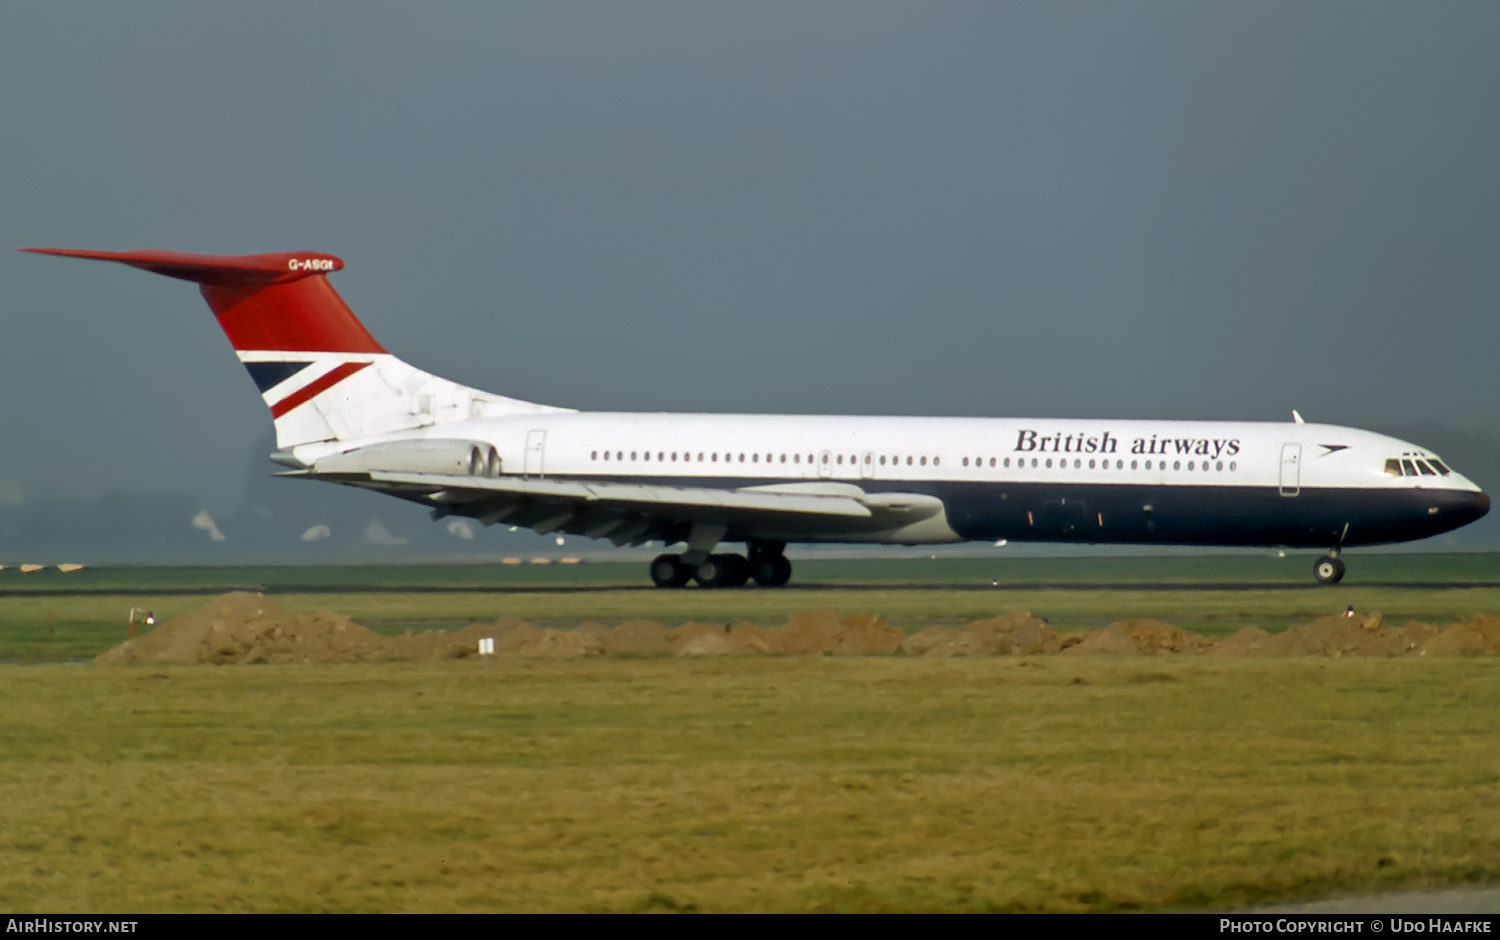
[276,268]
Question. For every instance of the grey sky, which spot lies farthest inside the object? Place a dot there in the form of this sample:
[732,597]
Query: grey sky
[1174,210]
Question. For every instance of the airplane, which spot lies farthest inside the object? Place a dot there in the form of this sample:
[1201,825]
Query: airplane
[346,411]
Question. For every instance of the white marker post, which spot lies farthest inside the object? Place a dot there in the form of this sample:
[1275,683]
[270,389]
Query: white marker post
[486,650]
[147,617]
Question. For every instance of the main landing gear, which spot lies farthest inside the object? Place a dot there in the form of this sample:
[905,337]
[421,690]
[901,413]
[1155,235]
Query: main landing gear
[668,571]
[1329,569]
[766,565]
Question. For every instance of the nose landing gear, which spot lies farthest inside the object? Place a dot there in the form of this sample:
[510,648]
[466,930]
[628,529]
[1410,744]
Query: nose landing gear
[1329,569]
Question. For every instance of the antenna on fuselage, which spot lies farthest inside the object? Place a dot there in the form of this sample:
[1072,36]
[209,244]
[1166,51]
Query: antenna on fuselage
[1296,417]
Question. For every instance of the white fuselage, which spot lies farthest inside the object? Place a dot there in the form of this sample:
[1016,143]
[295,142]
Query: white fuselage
[1231,477]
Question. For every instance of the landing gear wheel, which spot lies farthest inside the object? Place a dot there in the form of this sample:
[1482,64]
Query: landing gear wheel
[723,571]
[668,571]
[772,571]
[1329,570]
[739,570]
[768,566]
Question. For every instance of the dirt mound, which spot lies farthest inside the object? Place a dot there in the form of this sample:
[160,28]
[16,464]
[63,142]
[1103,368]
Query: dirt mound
[680,636]
[941,641]
[706,639]
[866,635]
[1250,641]
[825,632]
[1340,635]
[1139,638]
[1367,635]
[249,628]
[636,638]
[807,632]
[514,639]
[440,644]
[521,640]
[1477,636]
[707,643]
[746,637]
[561,644]
[1013,634]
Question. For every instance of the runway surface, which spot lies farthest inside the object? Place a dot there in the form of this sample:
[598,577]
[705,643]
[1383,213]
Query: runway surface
[1131,587]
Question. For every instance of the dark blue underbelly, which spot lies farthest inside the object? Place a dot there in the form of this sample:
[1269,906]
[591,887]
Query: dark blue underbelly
[1203,515]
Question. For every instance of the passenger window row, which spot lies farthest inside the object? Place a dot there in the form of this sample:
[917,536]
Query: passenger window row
[619,456]
[662,456]
[1094,463]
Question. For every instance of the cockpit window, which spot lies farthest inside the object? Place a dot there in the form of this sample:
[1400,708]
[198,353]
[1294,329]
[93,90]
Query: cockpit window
[1411,465]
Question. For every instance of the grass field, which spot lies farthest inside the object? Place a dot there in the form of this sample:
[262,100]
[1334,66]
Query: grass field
[1223,594]
[748,784]
[860,784]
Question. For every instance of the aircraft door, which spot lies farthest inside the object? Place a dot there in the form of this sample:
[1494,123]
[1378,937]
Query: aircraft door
[536,447]
[867,466]
[1291,469]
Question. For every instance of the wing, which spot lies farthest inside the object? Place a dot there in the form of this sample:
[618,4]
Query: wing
[627,513]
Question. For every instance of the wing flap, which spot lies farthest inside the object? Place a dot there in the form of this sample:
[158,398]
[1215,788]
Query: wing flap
[465,489]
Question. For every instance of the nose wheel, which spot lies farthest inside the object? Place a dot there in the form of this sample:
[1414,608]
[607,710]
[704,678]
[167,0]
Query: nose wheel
[1329,569]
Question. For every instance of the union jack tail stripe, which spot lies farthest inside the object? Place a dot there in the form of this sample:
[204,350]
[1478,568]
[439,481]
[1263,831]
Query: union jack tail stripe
[316,387]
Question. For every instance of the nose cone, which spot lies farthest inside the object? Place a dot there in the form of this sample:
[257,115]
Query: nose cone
[1452,509]
[1468,507]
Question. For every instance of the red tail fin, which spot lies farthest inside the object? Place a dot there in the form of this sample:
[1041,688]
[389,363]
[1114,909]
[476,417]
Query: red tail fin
[273,302]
